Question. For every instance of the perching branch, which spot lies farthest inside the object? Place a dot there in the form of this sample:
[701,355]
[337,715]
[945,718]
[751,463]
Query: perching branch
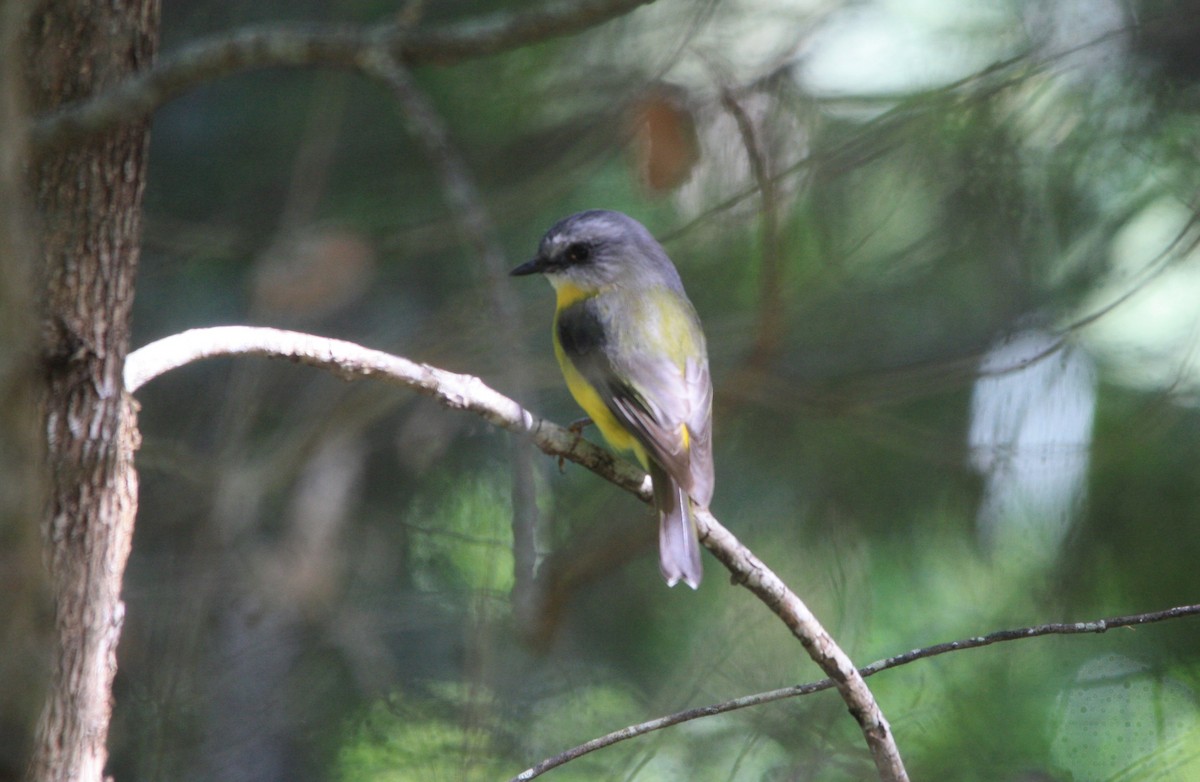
[354,362]
[464,392]
[306,45]
[757,699]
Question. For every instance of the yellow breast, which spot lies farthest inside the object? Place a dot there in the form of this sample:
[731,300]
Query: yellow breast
[585,395]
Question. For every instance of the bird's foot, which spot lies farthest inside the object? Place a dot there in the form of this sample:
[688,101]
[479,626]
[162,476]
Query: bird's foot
[576,428]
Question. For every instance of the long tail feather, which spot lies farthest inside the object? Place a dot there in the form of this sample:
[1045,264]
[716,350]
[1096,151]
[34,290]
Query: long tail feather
[678,546]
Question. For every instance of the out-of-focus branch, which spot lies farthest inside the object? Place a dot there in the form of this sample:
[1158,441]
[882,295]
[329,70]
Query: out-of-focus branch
[769,329]
[307,45]
[461,193]
[458,183]
[464,392]
[757,699]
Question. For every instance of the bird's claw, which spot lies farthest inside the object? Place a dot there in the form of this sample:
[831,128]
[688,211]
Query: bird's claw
[576,428]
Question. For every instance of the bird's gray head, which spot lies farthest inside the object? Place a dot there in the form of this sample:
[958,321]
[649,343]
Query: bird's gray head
[599,248]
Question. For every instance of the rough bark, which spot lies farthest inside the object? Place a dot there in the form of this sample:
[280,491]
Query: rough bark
[88,203]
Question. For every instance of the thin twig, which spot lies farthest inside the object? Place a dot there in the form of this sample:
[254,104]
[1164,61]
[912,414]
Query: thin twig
[464,392]
[757,699]
[307,45]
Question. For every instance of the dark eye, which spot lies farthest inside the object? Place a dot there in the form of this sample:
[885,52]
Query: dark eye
[579,253]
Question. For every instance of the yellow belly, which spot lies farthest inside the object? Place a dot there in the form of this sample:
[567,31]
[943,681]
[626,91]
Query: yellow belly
[586,396]
[589,399]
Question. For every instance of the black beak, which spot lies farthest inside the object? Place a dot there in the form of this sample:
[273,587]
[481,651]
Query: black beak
[534,265]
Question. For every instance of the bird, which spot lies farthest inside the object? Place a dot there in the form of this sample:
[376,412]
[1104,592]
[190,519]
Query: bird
[633,354]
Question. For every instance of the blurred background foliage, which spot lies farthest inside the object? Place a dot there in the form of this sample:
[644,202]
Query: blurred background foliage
[944,254]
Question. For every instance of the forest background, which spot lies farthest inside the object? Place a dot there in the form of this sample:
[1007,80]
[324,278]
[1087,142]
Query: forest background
[945,258]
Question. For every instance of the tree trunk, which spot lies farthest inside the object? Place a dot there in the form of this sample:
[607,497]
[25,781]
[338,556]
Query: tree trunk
[88,199]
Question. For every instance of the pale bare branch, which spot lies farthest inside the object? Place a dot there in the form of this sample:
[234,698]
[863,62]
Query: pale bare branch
[749,571]
[465,392]
[353,362]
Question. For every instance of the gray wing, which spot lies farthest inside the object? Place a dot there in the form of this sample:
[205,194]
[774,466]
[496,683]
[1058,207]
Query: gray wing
[664,402]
